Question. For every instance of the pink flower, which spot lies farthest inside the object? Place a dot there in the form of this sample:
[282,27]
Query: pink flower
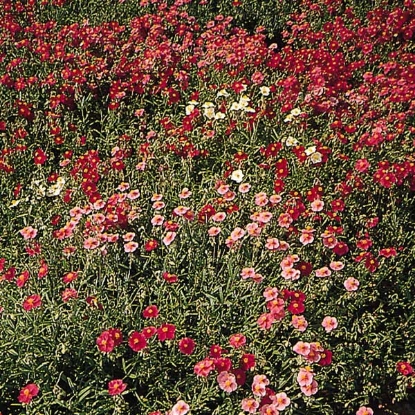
[219,217]
[169,238]
[299,322]
[28,232]
[237,340]
[204,367]
[307,236]
[281,401]
[116,386]
[244,187]
[336,265]
[261,199]
[130,246]
[285,220]
[317,205]
[270,293]
[265,321]
[249,405]
[31,302]
[323,272]
[214,231]
[305,377]
[311,389]
[247,273]
[272,244]
[291,274]
[364,410]
[157,220]
[185,193]
[237,233]
[227,381]
[181,408]
[28,393]
[351,284]
[302,348]
[329,323]
[91,243]
[129,236]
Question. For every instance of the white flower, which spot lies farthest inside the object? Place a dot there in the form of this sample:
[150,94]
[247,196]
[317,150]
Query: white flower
[219,116]
[208,104]
[295,112]
[209,112]
[288,118]
[222,93]
[237,176]
[291,141]
[14,203]
[316,157]
[189,109]
[236,106]
[310,150]
[244,100]
[265,91]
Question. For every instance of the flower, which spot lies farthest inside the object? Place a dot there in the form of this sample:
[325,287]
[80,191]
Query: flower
[166,332]
[137,341]
[351,284]
[249,405]
[404,368]
[204,367]
[364,410]
[116,386]
[227,381]
[31,302]
[150,311]
[27,393]
[181,408]
[105,342]
[237,340]
[28,232]
[187,345]
[237,176]
[329,323]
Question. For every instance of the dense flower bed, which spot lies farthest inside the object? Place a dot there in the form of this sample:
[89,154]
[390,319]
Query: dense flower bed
[198,220]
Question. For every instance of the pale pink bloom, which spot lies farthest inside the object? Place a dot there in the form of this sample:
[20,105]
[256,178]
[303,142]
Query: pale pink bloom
[123,186]
[121,197]
[132,215]
[237,233]
[261,379]
[185,193]
[98,218]
[158,205]
[258,389]
[88,209]
[28,232]
[276,307]
[257,278]
[181,408]
[285,220]
[284,246]
[270,293]
[180,210]
[76,212]
[336,265]
[247,273]
[364,410]
[299,322]
[305,377]
[169,238]
[91,243]
[329,241]
[287,262]
[253,229]
[261,199]
[244,188]
[219,217]
[222,189]
[249,405]
[227,381]
[307,236]
[275,199]
[269,409]
[254,217]
[291,274]
[272,244]
[323,272]
[302,348]
[317,205]
[134,194]
[157,220]
[265,217]
[281,401]
[229,196]
[213,231]
[130,246]
[156,197]
[329,323]
[129,236]
[311,389]
[141,166]
[314,355]
[229,242]
[351,284]
[112,238]
[204,367]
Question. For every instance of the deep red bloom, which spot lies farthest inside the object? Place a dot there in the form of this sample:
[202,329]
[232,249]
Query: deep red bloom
[39,157]
[116,386]
[31,302]
[116,335]
[151,311]
[240,376]
[325,358]
[105,342]
[170,277]
[187,345]
[215,351]
[151,245]
[296,307]
[28,393]
[137,341]
[247,361]
[405,368]
[149,331]
[166,332]
[341,249]
[223,364]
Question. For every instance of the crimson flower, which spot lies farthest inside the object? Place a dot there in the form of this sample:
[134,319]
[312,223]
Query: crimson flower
[187,345]
[296,307]
[105,342]
[247,361]
[325,358]
[151,311]
[28,393]
[116,386]
[31,302]
[137,341]
[404,368]
[166,332]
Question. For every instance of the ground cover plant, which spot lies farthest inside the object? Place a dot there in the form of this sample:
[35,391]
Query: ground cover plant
[206,215]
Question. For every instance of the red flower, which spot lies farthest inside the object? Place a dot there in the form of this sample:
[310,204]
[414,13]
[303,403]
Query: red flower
[31,302]
[296,307]
[247,361]
[28,393]
[116,386]
[151,245]
[39,157]
[240,376]
[166,332]
[215,351]
[223,364]
[341,249]
[171,278]
[116,335]
[187,345]
[237,340]
[149,331]
[404,368]
[151,311]
[325,358]
[137,341]
[105,342]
